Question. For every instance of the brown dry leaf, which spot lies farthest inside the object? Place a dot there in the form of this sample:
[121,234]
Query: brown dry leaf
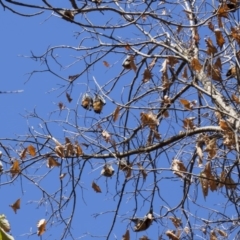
[31,150]
[106,136]
[70,151]
[68,97]
[235,99]
[107,170]
[223,125]
[204,183]
[116,114]
[188,123]
[211,148]
[214,73]
[229,138]
[172,61]
[59,150]
[178,168]
[227,181]
[196,65]
[222,233]
[51,162]
[126,236]
[210,26]
[96,188]
[129,171]
[187,104]
[218,115]
[127,47]
[219,38]
[223,10]
[149,119]
[62,176]
[218,64]
[132,64]
[235,33]
[15,206]
[213,235]
[144,238]
[166,114]
[179,28]
[23,154]
[211,49]
[147,75]
[171,235]
[184,75]
[144,17]
[196,36]
[61,106]
[41,225]
[78,149]
[176,221]
[15,168]
[142,170]
[106,64]
[69,14]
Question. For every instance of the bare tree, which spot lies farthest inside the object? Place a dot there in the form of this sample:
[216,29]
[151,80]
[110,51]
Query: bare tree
[156,124]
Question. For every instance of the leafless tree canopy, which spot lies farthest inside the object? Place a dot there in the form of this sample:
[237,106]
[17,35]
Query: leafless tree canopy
[154,132]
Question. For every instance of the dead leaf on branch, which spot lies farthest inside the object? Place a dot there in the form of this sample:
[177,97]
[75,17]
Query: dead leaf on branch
[126,236]
[142,170]
[41,225]
[107,170]
[185,75]
[188,123]
[176,221]
[15,169]
[196,65]
[235,99]
[211,49]
[211,148]
[59,150]
[116,114]
[213,235]
[235,34]
[222,233]
[128,63]
[32,150]
[214,72]
[78,149]
[210,26]
[96,188]
[187,104]
[106,64]
[219,38]
[51,162]
[144,238]
[171,234]
[15,206]
[172,61]
[226,180]
[178,168]
[149,119]
[23,154]
[147,75]
[68,97]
